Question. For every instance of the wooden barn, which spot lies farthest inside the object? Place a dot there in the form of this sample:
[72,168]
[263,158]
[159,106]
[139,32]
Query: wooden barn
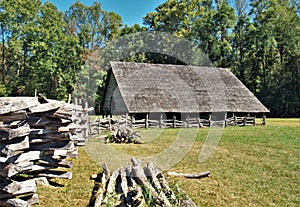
[180,94]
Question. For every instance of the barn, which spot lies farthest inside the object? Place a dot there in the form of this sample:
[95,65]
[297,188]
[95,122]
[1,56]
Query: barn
[182,93]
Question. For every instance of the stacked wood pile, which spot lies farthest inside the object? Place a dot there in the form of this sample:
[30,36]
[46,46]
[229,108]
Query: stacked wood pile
[36,137]
[136,186]
[124,135]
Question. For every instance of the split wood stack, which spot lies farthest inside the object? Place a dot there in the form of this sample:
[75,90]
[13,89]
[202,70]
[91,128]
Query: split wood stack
[36,137]
[136,186]
[124,135]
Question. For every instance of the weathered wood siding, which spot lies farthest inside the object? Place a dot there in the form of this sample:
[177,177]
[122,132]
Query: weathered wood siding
[114,102]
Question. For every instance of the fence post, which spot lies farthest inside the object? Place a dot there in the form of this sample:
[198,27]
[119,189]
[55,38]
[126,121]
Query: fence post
[132,120]
[109,123]
[174,119]
[160,121]
[263,119]
[146,120]
[235,120]
[99,124]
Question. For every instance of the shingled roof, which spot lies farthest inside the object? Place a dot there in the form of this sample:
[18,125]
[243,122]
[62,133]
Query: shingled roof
[145,88]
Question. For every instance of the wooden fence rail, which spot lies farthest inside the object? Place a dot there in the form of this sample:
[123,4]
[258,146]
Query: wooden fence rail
[102,124]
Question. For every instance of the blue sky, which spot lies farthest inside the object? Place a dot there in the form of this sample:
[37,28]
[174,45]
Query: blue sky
[131,11]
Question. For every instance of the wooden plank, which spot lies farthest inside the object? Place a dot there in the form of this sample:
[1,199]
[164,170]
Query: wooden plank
[56,174]
[10,149]
[44,122]
[190,175]
[47,106]
[14,124]
[34,199]
[52,135]
[10,188]
[14,202]
[14,116]
[12,104]
[10,169]
[9,134]
[28,156]
[62,145]
[64,112]
[56,162]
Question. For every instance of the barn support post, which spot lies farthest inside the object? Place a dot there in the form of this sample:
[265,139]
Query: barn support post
[160,120]
[188,121]
[147,120]
[225,119]
[132,120]
[174,120]
[209,119]
[199,121]
[235,120]
[263,119]
[254,121]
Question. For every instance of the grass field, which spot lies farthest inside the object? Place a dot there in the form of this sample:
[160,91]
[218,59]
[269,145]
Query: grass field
[251,166]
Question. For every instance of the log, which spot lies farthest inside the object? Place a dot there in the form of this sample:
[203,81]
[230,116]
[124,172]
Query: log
[64,112]
[187,201]
[166,188]
[61,145]
[9,134]
[189,175]
[34,199]
[56,162]
[136,193]
[43,122]
[56,174]
[14,116]
[14,202]
[15,148]
[11,188]
[12,104]
[151,173]
[28,156]
[110,188]
[140,177]
[47,106]
[10,169]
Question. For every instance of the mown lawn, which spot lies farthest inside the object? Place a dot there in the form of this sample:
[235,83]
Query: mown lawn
[251,166]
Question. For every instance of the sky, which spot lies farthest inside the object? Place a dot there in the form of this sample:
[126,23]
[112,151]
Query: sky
[131,11]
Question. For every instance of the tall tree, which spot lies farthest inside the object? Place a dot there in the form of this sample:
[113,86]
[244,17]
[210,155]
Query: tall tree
[92,25]
[273,54]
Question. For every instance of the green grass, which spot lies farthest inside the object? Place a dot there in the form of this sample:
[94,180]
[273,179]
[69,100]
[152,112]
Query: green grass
[251,166]
[283,122]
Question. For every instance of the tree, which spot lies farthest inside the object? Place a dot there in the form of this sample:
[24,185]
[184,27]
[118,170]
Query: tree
[273,53]
[92,25]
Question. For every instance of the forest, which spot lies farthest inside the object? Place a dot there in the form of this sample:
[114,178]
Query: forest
[45,49]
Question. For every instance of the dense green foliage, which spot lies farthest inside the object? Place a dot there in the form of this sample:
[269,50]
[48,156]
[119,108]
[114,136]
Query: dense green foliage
[45,49]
